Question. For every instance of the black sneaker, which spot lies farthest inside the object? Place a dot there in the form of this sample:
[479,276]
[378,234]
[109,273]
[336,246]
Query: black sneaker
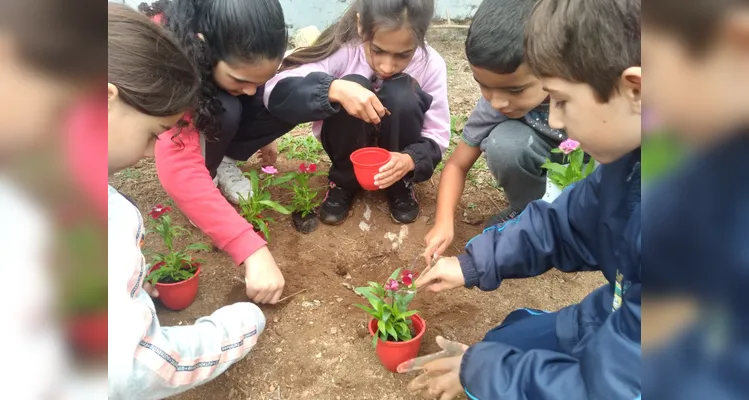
[505,215]
[404,208]
[336,205]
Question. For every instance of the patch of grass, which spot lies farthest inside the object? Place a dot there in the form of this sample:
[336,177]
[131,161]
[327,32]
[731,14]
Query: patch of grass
[479,173]
[304,148]
[130,173]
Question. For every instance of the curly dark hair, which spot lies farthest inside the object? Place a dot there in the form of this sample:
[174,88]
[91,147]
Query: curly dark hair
[234,31]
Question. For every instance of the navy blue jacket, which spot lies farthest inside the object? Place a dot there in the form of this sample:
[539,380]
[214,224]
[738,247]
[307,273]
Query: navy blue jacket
[594,226]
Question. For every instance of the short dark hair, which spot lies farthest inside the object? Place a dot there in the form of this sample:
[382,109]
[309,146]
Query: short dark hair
[694,22]
[495,37]
[586,41]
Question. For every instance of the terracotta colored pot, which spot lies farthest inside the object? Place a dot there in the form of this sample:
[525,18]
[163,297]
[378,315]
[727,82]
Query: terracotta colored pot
[392,354]
[179,295]
[367,163]
[88,332]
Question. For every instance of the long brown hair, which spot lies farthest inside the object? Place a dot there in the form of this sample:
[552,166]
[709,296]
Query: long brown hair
[148,67]
[373,15]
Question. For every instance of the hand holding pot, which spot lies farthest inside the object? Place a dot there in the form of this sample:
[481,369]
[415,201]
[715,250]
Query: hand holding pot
[150,289]
[441,377]
[446,274]
[263,279]
[399,165]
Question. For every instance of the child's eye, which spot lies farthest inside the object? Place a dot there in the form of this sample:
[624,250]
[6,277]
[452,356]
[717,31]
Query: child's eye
[559,103]
[154,136]
[517,91]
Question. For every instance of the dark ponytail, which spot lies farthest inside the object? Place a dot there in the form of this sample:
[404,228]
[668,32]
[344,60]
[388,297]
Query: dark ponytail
[233,31]
[148,67]
[374,14]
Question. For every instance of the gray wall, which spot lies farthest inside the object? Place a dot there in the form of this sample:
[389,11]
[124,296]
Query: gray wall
[321,13]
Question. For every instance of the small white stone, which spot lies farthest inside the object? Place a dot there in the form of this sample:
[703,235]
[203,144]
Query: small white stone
[278,350]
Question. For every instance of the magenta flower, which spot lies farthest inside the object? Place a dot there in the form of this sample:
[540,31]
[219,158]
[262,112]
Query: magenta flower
[569,145]
[270,170]
[158,210]
[392,285]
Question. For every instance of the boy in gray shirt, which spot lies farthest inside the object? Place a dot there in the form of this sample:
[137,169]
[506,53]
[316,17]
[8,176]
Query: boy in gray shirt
[510,123]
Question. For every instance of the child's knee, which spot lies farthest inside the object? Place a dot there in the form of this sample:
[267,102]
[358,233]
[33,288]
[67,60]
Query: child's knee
[404,95]
[232,114]
[361,80]
[507,146]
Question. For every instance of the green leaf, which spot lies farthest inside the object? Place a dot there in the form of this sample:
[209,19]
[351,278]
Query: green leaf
[375,301]
[392,332]
[404,300]
[555,168]
[589,168]
[374,340]
[381,327]
[395,274]
[264,228]
[272,204]
[407,314]
[368,310]
[199,247]
[386,314]
[283,179]
[402,328]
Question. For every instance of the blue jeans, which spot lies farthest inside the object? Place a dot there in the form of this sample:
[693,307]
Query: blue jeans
[527,329]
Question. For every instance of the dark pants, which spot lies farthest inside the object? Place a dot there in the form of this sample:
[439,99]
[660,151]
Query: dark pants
[342,134]
[527,329]
[246,126]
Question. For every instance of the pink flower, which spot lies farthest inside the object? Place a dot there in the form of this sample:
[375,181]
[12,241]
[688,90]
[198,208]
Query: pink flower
[270,170]
[407,277]
[392,285]
[569,145]
[158,210]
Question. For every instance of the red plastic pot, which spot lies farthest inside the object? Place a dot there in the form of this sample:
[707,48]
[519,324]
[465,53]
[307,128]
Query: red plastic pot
[392,354]
[367,163]
[88,333]
[179,295]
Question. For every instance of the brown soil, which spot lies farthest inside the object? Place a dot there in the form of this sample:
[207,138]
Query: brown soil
[315,345]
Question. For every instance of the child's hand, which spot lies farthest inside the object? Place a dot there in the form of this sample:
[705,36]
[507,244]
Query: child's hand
[437,240]
[269,153]
[441,377]
[150,289]
[446,274]
[357,100]
[399,165]
[262,277]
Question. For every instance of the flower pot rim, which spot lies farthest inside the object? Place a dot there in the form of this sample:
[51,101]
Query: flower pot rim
[404,343]
[153,267]
[354,155]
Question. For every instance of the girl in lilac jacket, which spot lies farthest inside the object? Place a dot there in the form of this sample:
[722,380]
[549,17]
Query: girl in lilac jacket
[370,80]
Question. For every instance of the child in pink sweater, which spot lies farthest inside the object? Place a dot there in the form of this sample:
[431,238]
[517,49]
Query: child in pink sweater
[370,80]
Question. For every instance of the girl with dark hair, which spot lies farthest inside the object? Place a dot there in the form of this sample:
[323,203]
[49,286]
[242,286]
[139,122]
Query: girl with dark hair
[237,45]
[151,83]
[370,80]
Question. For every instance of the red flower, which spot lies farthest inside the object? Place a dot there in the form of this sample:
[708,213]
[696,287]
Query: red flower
[158,210]
[304,168]
[407,277]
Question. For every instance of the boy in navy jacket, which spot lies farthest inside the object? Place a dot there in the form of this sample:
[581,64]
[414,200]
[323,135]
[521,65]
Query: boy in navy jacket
[587,55]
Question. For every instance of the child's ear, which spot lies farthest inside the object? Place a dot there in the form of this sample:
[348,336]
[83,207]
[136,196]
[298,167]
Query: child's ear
[631,87]
[358,25]
[112,94]
[737,30]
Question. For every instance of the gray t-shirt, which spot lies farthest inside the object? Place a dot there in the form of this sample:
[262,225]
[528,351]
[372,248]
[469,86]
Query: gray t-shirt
[484,118]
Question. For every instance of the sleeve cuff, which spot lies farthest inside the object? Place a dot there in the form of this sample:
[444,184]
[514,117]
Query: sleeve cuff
[324,90]
[464,367]
[244,245]
[470,274]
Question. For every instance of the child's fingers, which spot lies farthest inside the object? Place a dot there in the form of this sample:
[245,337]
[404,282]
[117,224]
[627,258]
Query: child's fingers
[378,107]
[373,116]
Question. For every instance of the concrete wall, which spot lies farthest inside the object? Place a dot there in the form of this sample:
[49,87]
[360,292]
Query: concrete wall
[321,13]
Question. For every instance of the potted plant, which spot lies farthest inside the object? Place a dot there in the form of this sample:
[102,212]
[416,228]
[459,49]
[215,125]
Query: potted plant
[260,201]
[396,330]
[305,201]
[175,274]
[572,169]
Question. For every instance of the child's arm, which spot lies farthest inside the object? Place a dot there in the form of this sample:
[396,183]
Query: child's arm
[607,366]
[452,183]
[181,169]
[561,234]
[300,94]
[146,360]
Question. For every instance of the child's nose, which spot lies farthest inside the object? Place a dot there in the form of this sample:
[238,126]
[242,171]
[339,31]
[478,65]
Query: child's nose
[555,118]
[250,90]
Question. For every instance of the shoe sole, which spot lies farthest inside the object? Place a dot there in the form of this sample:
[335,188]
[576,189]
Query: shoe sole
[405,223]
